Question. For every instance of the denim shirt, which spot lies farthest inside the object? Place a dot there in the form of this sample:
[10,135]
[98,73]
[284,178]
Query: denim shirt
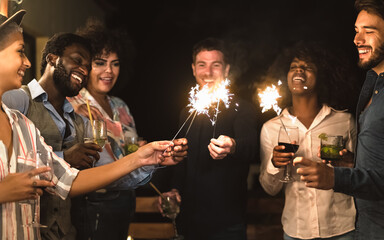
[366,181]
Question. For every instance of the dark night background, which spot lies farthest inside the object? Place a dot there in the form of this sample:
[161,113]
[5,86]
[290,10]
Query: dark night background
[157,78]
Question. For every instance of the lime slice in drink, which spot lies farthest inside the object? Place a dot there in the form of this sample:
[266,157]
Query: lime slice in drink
[323,136]
[132,148]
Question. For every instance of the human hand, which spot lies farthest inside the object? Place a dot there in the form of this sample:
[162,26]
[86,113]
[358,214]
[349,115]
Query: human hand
[281,158]
[178,152]
[82,155]
[23,186]
[222,146]
[153,153]
[315,174]
[173,193]
[347,159]
[82,109]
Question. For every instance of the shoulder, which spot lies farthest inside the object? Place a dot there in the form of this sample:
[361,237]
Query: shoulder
[16,99]
[273,123]
[344,114]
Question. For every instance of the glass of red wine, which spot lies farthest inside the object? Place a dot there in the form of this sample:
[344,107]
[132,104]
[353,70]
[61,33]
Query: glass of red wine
[288,137]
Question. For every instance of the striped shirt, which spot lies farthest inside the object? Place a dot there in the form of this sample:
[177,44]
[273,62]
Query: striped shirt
[27,138]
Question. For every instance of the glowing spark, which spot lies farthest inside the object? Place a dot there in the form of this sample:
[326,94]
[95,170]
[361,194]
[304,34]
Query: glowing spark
[201,100]
[268,99]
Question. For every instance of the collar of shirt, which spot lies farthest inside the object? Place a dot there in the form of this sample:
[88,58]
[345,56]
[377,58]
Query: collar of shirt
[289,119]
[37,91]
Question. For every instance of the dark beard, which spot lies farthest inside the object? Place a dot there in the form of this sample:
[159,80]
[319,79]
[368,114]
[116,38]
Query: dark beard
[376,58]
[62,81]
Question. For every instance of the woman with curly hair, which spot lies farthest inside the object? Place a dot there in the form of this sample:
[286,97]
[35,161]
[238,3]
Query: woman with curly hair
[106,214]
[313,78]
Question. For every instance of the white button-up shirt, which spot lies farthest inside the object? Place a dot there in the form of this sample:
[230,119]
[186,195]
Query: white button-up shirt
[309,212]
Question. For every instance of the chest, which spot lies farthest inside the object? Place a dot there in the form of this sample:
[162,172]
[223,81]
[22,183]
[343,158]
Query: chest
[6,132]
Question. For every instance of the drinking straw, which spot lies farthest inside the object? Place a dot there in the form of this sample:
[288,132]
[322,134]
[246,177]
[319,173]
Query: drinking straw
[90,119]
[157,190]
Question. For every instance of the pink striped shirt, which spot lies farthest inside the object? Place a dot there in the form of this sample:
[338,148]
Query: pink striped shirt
[27,138]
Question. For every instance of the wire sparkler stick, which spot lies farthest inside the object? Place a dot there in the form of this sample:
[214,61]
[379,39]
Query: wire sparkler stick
[190,124]
[183,125]
[215,119]
[268,100]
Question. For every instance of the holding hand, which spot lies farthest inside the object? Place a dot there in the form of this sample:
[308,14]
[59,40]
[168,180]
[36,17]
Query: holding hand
[23,186]
[347,159]
[162,152]
[315,174]
[281,158]
[82,155]
[219,148]
[173,193]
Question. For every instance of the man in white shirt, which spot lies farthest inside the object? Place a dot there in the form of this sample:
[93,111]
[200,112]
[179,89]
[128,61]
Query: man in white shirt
[308,213]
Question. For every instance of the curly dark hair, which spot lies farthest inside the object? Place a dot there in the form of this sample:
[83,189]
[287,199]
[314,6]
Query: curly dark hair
[101,38]
[372,6]
[57,44]
[334,79]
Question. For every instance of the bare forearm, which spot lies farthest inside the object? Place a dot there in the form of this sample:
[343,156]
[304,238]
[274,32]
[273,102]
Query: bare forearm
[95,178]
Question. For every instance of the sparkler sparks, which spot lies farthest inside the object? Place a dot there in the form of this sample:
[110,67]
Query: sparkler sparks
[201,100]
[268,98]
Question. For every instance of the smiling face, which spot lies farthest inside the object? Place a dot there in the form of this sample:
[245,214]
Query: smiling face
[301,77]
[210,68]
[71,71]
[369,40]
[13,63]
[104,73]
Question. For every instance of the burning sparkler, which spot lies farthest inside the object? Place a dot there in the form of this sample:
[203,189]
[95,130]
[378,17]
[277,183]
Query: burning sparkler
[200,100]
[268,100]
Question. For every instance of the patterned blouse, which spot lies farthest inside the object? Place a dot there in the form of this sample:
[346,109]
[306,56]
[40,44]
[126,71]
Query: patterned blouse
[120,126]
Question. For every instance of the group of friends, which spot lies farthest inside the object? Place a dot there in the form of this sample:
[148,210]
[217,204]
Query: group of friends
[329,200]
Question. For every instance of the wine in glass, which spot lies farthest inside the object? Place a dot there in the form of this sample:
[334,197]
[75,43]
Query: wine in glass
[171,208]
[96,132]
[288,137]
[37,160]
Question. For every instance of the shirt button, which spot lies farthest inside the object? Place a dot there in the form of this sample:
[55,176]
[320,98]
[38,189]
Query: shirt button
[376,92]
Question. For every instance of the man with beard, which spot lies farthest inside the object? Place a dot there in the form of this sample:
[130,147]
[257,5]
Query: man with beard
[310,72]
[65,66]
[213,181]
[365,181]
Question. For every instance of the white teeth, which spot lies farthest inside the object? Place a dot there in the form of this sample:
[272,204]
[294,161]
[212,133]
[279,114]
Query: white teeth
[363,51]
[298,79]
[77,78]
[106,79]
[21,73]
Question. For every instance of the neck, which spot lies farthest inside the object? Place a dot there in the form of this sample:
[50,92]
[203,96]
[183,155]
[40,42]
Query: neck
[305,108]
[379,68]
[98,96]
[55,97]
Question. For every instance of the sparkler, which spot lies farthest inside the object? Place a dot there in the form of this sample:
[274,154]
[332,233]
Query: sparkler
[268,100]
[200,100]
